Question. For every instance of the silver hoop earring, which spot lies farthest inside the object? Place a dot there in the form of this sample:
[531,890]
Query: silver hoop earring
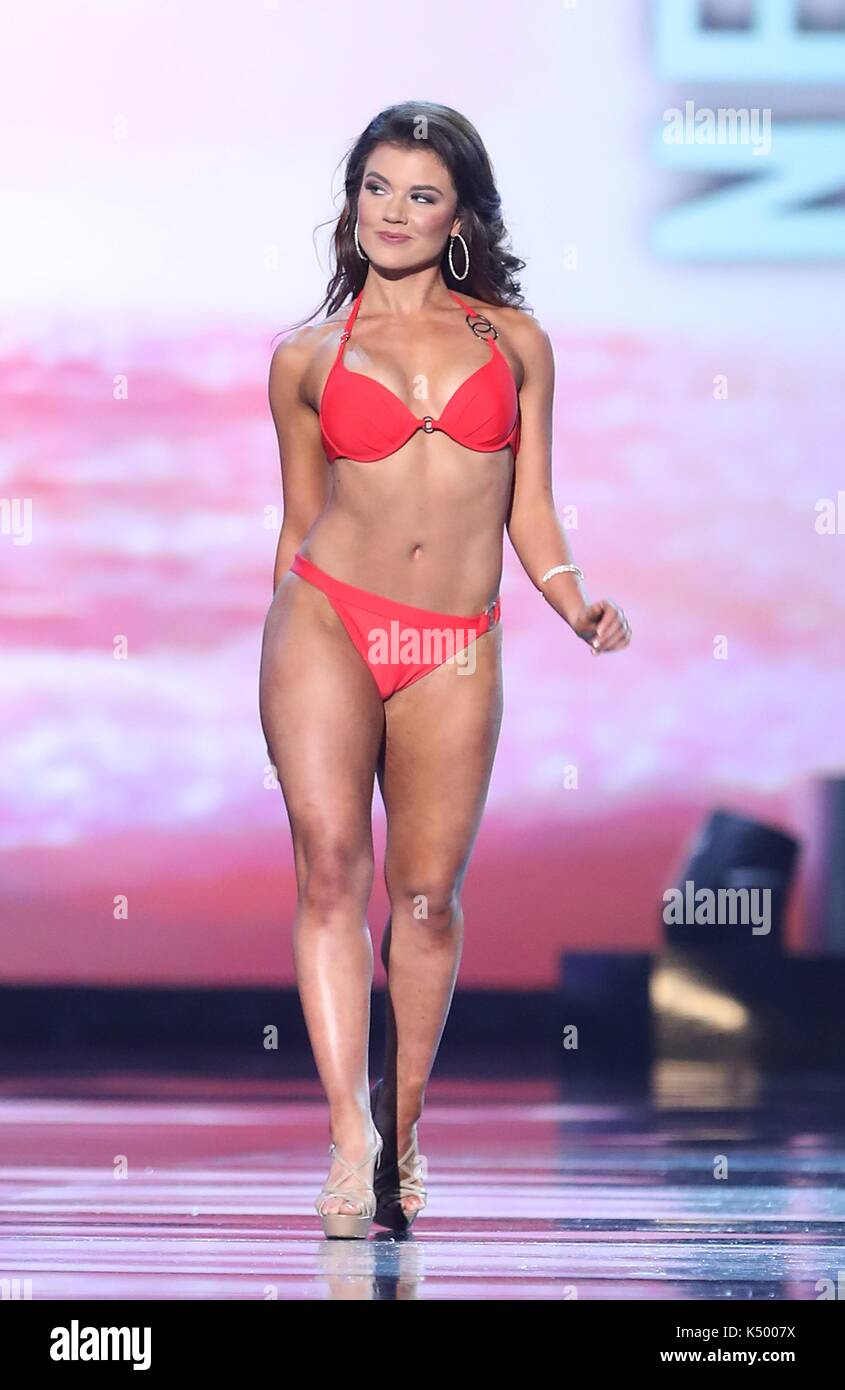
[358,244]
[452,241]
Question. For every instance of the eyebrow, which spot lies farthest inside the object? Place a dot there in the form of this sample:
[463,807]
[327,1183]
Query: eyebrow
[415,188]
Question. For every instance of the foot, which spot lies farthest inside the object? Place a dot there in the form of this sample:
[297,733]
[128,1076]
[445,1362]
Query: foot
[401,1171]
[351,1173]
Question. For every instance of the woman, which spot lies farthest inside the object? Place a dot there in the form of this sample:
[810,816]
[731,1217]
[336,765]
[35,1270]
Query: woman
[414,424]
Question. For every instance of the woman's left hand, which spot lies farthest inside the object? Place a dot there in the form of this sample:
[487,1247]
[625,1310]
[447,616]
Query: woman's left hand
[603,625]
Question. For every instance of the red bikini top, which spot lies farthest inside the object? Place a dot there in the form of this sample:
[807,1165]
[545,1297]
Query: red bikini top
[363,420]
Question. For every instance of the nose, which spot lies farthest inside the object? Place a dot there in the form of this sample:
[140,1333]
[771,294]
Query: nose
[393,211]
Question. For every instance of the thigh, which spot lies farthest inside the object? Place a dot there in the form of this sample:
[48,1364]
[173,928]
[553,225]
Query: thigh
[440,741]
[323,719]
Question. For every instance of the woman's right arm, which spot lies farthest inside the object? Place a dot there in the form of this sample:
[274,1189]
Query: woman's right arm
[306,475]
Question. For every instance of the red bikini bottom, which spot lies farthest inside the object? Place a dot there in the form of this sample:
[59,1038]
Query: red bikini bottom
[398,642]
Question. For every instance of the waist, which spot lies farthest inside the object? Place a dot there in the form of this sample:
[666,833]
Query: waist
[450,560]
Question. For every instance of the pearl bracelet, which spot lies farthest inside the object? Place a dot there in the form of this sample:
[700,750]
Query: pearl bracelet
[558,569]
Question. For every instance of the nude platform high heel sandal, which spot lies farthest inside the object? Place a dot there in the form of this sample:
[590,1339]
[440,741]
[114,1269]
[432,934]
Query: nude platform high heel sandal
[345,1224]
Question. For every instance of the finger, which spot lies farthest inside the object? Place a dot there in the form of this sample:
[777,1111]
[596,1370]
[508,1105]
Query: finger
[608,631]
[619,642]
[612,616]
[617,634]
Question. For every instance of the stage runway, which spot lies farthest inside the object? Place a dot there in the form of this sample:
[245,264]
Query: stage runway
[130,1185]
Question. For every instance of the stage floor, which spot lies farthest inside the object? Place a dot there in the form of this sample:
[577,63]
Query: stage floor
[704,1185]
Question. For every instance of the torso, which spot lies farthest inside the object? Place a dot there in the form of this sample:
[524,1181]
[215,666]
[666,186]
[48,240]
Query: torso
[424,525]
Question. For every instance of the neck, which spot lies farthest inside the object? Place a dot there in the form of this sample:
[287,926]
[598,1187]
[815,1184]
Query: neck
[413,292]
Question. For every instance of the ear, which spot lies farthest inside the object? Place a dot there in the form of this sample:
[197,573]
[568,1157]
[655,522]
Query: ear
[456,227]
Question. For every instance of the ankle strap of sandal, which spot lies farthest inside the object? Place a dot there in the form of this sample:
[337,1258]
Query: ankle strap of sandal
[353,1168]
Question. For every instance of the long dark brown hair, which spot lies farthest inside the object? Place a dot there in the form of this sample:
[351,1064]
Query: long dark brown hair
[492,267]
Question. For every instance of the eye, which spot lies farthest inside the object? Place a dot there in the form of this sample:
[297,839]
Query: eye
[424,196]
[373,187]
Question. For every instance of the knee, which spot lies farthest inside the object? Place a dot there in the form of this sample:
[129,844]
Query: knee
[427,898]
[336,877]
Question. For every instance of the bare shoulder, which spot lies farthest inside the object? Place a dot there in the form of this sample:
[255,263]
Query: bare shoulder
[522,330]
[525,329]
[298,347]
[300,353]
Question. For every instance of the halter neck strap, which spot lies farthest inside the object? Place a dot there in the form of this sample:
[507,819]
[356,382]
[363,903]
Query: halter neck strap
[350,319]
[458,299]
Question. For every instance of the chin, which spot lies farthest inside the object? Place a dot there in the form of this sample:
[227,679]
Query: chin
[397,257]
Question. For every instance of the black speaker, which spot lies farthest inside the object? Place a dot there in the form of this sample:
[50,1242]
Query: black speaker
[733,892]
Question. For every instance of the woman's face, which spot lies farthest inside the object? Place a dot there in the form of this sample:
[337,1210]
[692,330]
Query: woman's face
[406,207]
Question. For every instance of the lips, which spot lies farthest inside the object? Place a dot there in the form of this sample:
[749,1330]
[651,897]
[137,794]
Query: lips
[397,237]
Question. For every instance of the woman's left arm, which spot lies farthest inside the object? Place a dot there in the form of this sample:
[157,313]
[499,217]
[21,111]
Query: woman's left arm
[534,528]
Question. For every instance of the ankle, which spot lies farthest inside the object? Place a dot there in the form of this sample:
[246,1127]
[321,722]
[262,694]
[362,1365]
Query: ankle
[398,1116]
[353,1131]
